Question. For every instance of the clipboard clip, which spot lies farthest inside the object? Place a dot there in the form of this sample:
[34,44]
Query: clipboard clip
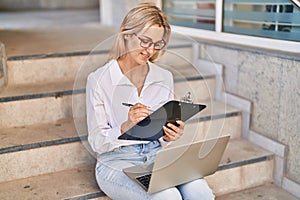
[187,98]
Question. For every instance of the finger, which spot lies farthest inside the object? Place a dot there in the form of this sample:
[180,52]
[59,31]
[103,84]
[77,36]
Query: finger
[140,108]
[181,126]
[171,138]
[181,123]
[136,119]
[166,138]
[140,115]
[170,133]
[173,127]
[139,112]
[139,105]
[145,111]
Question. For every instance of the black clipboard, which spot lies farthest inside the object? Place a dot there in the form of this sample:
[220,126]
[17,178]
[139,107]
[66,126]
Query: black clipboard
[151,128]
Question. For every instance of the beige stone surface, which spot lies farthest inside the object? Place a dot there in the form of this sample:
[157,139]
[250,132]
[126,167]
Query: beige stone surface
[35,111]
[37,71]
[275,94]
[229,58]
[72,182]
[266,192]
[59,185]
[177,57]
[37,133]
[260,85]
[241,150]
[45,41]
[201,90]
[271,81]
[34,162]
[210,129]
[289,117]
[22,90]
[53,70]
[239,178]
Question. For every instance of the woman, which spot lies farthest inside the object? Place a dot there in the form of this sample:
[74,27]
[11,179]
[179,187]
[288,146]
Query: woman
[131,78]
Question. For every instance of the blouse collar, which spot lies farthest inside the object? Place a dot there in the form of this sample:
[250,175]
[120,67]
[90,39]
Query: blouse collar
[118,78]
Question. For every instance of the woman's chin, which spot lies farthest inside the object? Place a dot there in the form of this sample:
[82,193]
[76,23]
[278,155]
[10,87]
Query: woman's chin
[142,61]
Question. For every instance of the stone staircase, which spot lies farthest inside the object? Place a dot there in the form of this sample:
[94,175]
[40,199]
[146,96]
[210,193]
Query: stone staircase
[43,149]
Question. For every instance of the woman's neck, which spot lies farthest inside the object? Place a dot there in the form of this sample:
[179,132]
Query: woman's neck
[127,65]
[135,73]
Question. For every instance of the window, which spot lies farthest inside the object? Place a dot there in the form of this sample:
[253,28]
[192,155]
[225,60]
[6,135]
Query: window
[274,19]
[196,14]
[277,19]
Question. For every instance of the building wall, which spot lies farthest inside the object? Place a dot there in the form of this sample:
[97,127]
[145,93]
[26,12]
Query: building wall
[112,12]
[272,83]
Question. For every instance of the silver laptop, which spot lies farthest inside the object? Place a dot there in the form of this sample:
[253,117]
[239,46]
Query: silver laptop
[181,164]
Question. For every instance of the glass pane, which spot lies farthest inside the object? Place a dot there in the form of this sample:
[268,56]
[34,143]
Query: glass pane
[273,19]
[195,13]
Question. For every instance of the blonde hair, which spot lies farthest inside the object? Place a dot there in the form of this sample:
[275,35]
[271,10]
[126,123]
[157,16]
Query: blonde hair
[140,17]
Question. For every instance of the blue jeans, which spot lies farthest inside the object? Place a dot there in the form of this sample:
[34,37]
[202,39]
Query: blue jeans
[115,184]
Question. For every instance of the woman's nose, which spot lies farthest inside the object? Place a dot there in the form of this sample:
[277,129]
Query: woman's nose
[150,49]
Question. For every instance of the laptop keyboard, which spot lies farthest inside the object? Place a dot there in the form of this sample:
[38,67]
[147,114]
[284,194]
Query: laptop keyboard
[144,179]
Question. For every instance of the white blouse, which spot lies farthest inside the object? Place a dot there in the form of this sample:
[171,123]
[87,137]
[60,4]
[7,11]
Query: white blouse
[107,88]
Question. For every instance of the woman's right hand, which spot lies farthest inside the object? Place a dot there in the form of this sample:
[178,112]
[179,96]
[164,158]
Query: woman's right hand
[136,113]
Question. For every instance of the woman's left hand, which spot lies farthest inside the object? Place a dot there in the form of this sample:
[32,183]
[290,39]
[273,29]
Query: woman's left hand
[173,132]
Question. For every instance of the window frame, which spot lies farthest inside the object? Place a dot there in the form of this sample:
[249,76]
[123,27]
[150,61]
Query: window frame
[218,35]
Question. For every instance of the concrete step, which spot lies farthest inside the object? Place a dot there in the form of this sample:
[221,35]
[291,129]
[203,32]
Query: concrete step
[57,144]
[63,68]
[40,149]
[243,165]
[53,101]
[43,55]
[25,44]
[267,191]
[215,120]
[34,54]
[60,185]
[50,104]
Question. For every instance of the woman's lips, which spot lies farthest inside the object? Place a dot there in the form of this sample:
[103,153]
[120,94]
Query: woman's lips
[145,56]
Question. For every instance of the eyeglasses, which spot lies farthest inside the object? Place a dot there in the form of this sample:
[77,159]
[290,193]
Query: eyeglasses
[147,43]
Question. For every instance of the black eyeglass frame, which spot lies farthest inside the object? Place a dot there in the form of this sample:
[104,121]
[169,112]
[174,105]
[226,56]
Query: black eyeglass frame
[150,43]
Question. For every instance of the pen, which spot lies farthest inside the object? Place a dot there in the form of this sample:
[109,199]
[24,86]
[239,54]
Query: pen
[127,104]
